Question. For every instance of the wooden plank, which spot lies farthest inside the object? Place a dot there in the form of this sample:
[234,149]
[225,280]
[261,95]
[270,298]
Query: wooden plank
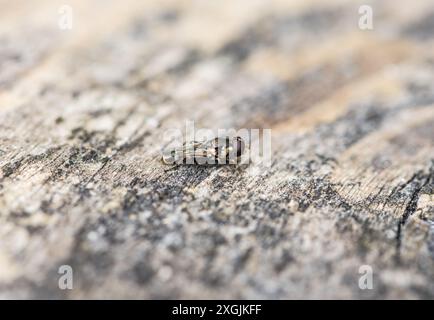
[83,114]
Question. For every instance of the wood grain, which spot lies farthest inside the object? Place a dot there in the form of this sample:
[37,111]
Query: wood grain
[82,114]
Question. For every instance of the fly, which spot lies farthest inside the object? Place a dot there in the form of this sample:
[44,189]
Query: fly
[220,150]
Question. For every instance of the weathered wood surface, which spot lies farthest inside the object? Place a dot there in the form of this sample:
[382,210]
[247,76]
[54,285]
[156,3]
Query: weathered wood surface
[352,119]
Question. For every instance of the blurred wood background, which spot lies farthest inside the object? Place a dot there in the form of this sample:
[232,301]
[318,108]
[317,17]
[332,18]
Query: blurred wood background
[82,112]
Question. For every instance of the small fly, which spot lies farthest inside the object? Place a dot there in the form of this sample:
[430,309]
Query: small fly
[220,150]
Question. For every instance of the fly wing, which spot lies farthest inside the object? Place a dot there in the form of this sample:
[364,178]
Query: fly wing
[199,152]
[196,152]
[189,148]
[187,153]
